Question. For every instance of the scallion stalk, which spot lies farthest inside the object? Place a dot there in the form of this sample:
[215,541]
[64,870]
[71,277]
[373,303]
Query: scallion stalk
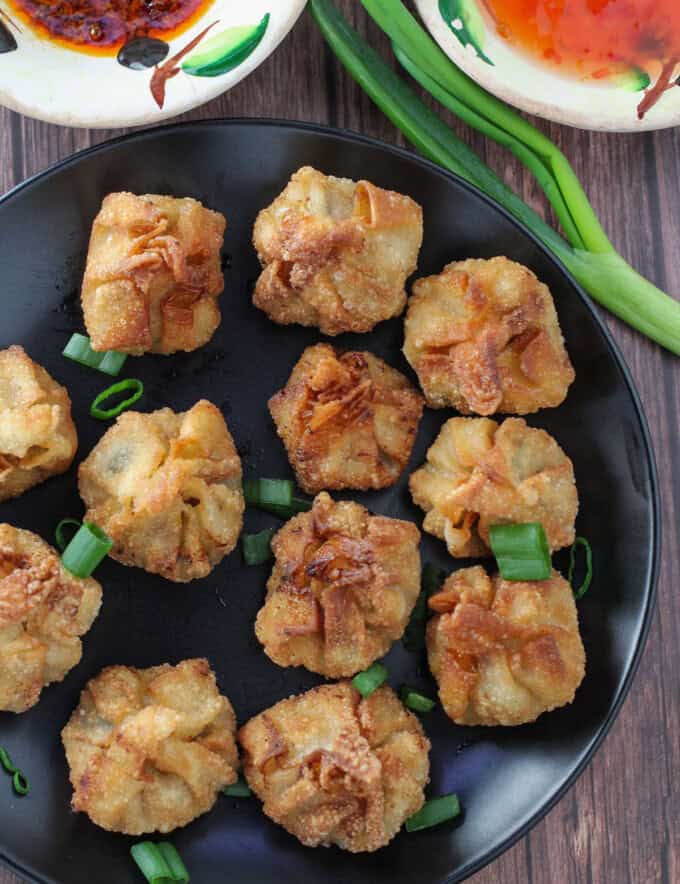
[521,551]
[585,585]
[434,812]
[178,871]
[370,679]
[19,781]
[79,350]
[87,549]
[257,547]
[415,700]
[62,542]
[105,414]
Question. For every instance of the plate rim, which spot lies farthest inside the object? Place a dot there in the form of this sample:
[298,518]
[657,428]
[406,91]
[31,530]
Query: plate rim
[650,589]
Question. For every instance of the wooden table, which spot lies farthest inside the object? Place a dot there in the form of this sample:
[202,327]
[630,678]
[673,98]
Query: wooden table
[621,821]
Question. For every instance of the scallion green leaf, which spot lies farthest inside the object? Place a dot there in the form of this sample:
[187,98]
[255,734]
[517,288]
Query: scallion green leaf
[434,812]
[416,701]
[19,781]
[414,634]
[585,585]
[274,496]
[60,530]
[178,870]
[239,789]
[86,550]
[120,387]
[521,551]
[370,679]
[79,350]
[257,547]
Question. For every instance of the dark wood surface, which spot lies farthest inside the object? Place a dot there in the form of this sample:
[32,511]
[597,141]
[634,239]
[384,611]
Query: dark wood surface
[621,821]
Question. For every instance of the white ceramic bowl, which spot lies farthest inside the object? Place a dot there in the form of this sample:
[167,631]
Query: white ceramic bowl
[535,88]
[43,79]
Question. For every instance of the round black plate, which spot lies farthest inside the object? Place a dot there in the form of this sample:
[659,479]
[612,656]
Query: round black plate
[506,778]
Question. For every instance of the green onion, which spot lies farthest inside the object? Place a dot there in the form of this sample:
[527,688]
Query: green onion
[239,789]
[120,387]
[274,496]
[19,781]
[434,812]
[178,871]
[257,547]
[86,550]
[414,634]
[416,701]
[583,588]
[521,551]
[151,862]
[367,681]
[79,350]
[62,542]
[590,258]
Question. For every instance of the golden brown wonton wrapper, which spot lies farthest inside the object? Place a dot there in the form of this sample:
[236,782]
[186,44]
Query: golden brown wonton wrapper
[483,337]
[347,420]
[503,652]
[166,488]
[479,473]
[153,274]
[335,253]
[149,749]
[37,435]
[44,609]
[343,587]
[334,768]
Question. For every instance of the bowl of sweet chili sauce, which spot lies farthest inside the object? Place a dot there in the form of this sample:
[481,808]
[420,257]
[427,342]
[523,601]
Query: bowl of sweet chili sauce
[598,64]
[109,63]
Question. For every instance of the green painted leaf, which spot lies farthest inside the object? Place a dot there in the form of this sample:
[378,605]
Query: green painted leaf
[634,80]
[226,50]
[471,30]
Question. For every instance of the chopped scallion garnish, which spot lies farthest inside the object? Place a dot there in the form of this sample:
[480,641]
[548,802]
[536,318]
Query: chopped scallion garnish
[434,812]
[239,789]
[79,350]
[414,634]
[19,781]
[86,550]
[583,588]
[521,551]
[370,679]
[274,496]
[120,387]
[59,532]
[257,547]
[174,862]
[159,863]
[416,701]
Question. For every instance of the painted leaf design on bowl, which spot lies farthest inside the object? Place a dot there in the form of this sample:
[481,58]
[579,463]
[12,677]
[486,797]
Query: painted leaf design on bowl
[225,51]
[466,24]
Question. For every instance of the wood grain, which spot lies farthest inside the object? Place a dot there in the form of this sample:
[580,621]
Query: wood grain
[621,821]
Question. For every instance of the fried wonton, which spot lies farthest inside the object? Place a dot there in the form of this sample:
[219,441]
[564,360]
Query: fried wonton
[149,749]
[44,609]
[503,652]
[336,253]
[166,488]
[153,274]
[37,435]
[342,589]
[479,473]
[347,420]
[483,337]
[334,768]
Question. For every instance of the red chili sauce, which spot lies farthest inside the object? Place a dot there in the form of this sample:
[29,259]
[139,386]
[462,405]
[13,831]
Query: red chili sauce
[102,26]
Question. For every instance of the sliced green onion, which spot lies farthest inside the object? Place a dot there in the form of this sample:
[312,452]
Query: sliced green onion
[297,505]
[178,870]
[151,862]
[120,387]
[19,781]
[414,634]
[521,551]
[583,588]
[79,350]
[86,550]
[257,547]
[62,542]
[239,789]
[434,812]
[268,492]
[367,681]
[416,701]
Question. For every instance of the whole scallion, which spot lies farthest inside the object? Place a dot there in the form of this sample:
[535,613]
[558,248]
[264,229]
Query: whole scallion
[590,257]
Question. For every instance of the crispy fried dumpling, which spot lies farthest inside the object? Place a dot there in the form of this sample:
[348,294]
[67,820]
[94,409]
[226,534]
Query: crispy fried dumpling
[479,473]
[44,610]
[37,435]
[149,749]
[503,652]
[166,488]
[342,589]
[334,768]
[483,336]
[336,253]
[348,420]
[153,274]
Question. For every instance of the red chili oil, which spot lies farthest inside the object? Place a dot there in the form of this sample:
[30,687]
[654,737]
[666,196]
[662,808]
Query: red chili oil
[101,27]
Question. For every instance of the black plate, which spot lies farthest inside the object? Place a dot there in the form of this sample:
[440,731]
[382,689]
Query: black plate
[506,778]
